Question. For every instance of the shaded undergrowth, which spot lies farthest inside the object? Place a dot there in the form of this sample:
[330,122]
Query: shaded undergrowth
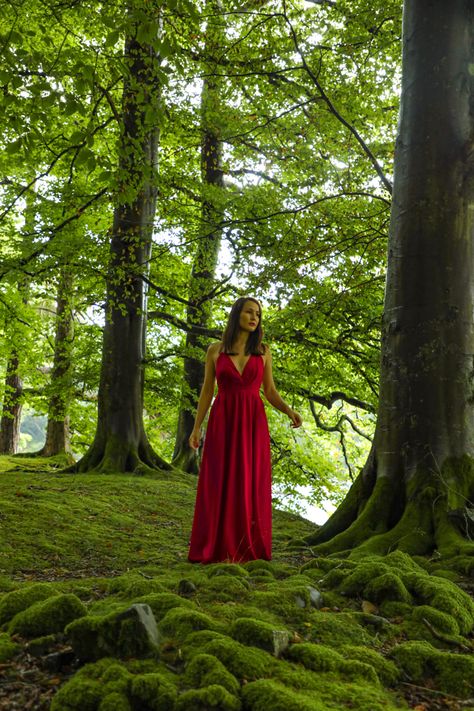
[78,551]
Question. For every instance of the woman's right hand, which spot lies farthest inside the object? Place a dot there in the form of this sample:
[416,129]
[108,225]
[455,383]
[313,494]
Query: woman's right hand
[194,439]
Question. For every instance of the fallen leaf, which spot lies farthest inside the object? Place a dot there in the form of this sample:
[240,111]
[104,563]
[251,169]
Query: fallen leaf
[369,607]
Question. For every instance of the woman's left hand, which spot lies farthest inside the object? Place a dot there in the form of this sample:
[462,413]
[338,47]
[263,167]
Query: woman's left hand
[295,417]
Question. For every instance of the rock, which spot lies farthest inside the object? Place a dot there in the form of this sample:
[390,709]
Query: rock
[315,597]
[186,588]
[260,634]
[131,633]
[57,660]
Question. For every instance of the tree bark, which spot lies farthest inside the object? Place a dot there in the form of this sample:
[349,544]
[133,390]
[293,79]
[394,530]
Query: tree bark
[57,431]
[419,476]
[208,245]
[12,404]
[120,442]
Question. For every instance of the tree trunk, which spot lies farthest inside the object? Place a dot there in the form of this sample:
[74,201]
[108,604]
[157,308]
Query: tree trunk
[205,261]
[57,431]
[415,490]
[11,411]
[120,443]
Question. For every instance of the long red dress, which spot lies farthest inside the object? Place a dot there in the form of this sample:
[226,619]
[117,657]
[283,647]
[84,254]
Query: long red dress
[233,513]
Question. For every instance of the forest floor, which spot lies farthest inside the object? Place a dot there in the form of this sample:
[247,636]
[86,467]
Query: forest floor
[299,633]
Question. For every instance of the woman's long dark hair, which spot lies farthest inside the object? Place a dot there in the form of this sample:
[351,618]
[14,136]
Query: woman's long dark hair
[254,343]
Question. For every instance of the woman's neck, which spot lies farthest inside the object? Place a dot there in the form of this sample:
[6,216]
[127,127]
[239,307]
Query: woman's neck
[240,342]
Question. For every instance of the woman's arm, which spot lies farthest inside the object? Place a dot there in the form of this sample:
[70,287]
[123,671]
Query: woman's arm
[272,394]
[205,398]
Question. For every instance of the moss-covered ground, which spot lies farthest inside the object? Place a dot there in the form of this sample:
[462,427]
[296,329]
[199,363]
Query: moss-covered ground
[300,632]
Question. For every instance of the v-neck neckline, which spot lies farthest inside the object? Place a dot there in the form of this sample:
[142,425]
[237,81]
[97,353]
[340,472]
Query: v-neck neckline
[238,371]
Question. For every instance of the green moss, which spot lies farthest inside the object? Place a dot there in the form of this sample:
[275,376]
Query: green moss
[47,616]
[211,697]
[18,600]
[243,662]
[40,645]
[402,562]
[441,621]
[284,602]
[8,648]
[452,673]
[362,575]
[226,569]
[392,608]
[444,596]
[78,695]
[387,587]
[359,671]
[195,642]
[385,669]
[316,657]
[115,702]
[6,585]
[93,637]
[266,694]
[152,692]
[227,588]
[336,629]
[162,603]
[205,669]
[260,634]
[132,585]
[179,622]
[262,566]
[326,564]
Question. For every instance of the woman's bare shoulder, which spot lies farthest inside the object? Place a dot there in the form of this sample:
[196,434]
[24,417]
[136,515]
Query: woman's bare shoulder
[214,348]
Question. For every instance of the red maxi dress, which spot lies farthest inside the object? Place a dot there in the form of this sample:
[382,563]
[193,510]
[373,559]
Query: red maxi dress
[233,513]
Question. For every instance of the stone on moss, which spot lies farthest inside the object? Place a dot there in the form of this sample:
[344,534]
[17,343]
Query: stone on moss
[47,616]
[8,648]
[152,692]
[213,697]
[386,587]
[18,600]
[130,633]
[206,669]
[386,670]
[162,603]
[179,622]
[115,701]
[78,694]
[242,661]
[255,633]
[266,694]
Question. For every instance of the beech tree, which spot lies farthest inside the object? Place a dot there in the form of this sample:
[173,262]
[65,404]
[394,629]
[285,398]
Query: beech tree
[416,490]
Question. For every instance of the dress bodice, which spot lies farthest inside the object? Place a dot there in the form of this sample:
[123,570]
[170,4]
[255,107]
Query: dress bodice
[229,379]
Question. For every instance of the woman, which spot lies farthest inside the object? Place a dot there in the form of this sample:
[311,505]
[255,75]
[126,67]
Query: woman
[233,514]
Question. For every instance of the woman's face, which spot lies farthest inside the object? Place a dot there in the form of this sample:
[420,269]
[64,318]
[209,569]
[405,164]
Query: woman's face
[249,316]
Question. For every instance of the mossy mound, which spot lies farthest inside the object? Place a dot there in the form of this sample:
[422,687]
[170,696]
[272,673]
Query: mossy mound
[180,621]
[337,629]
[226,588]
[245,663]
[260,634]
[162,603]
[47,616]
[8,648]
[443,595]
[132,585]
[267,694]
[213,697]
[226,569]
[320,658]
[206,669]
[108,682]
[385,669]
[117,634]
[452,673]
[18,600]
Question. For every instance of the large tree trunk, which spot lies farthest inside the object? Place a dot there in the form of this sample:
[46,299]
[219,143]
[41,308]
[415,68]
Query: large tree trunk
[57,431]
[205,261]
[415,490]
[12,404]
[120,442]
